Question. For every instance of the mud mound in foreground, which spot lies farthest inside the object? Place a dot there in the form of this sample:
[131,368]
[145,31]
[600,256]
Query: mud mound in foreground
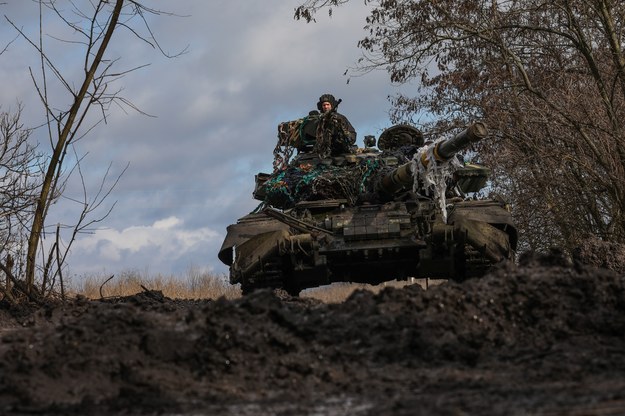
[544,338]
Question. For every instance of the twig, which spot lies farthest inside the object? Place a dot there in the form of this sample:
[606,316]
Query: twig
[102,285]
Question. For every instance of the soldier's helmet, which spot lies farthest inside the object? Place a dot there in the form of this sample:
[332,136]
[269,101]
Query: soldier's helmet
[326,98]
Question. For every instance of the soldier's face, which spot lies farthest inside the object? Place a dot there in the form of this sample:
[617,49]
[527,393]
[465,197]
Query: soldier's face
[326,106]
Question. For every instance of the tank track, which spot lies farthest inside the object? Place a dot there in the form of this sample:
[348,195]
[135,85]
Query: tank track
[270,276]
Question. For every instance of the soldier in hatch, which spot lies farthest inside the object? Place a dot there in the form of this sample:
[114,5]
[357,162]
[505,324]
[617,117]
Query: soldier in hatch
[335,134]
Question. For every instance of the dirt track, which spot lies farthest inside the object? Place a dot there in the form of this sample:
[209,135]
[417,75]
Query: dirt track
[544,338]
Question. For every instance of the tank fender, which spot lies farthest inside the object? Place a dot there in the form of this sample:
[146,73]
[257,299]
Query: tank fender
[252,254]
[487,239]
[247,228]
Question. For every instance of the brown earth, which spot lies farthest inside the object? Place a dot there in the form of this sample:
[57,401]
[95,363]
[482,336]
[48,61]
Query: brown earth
[546,337]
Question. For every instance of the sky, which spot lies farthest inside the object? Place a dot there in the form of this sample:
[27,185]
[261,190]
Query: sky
[208,120]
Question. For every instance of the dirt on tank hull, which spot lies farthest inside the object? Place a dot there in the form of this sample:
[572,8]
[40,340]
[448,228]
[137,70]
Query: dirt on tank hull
[369,216]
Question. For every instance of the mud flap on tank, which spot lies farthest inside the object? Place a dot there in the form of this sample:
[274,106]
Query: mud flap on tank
[492,242]
[252,254]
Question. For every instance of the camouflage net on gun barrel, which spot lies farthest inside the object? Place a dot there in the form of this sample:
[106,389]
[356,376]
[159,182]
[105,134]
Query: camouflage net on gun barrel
[434,175]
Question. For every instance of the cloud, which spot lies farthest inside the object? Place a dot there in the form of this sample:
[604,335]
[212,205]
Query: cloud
[162,244]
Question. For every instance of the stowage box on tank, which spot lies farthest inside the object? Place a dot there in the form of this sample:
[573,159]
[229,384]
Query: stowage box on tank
[369,215]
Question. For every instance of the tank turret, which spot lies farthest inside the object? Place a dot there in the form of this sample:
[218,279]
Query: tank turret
[436,152]
[368,214]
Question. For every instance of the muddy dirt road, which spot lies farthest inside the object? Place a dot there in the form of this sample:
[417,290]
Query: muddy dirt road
[546,337]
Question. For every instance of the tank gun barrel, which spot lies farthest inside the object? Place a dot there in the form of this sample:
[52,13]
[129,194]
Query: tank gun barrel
[442,151]
[446,149]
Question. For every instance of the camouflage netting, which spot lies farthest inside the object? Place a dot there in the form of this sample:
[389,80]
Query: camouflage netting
[306,181]
[289,138]
[311,182]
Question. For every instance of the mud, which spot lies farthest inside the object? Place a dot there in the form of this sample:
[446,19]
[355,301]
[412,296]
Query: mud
[544,337]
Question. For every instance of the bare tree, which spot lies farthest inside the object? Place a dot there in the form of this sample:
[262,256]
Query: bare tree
[92,25]
[20,178]
[547,76]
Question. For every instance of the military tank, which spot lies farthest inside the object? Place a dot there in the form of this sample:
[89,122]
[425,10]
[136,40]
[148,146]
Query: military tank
[406,208]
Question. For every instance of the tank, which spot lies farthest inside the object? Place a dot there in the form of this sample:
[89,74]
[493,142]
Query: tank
[404,209]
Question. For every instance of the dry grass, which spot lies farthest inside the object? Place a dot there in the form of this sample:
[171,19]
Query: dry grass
[202,285]
[194,285]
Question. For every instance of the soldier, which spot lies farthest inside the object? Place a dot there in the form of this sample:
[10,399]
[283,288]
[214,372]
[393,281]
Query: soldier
[327,105]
